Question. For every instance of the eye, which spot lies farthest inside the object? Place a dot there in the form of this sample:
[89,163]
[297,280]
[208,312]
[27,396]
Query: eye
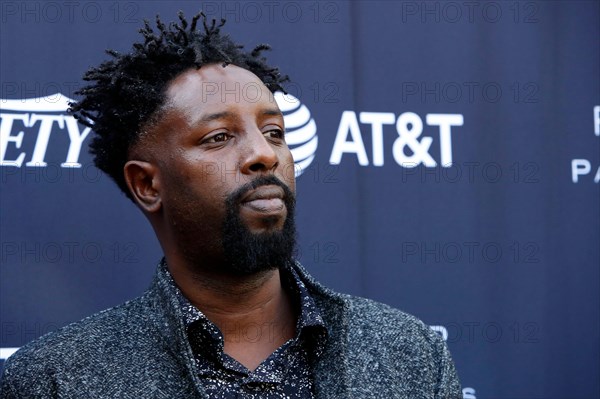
[217,138]
[275,134]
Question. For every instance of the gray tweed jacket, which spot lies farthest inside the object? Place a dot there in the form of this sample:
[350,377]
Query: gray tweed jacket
[139,350]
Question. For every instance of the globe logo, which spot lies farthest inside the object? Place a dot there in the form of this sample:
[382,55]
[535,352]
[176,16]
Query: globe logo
[300,131]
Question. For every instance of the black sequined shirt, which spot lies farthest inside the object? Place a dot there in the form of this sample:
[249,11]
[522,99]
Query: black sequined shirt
[286,373]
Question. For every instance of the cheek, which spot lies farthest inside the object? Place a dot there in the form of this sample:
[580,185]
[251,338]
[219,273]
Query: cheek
[177,178]
[187,169]
[187,185]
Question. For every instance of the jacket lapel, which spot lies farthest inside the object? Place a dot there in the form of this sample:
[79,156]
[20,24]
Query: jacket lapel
[167,317]
[331,371]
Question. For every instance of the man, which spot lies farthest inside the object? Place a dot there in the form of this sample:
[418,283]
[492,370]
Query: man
[229,313]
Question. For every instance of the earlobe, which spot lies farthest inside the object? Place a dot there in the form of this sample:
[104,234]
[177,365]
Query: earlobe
[143,181]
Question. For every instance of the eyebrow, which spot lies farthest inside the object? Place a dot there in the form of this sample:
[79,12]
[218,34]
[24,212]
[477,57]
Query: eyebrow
[215,116]
[272,112]
[227,114]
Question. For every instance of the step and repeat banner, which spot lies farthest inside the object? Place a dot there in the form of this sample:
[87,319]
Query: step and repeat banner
[448,157]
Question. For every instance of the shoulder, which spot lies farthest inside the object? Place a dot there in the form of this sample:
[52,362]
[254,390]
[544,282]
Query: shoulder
[106,325]
[368,319]
[398,348]
[76,348]
[382,348]
[384,319]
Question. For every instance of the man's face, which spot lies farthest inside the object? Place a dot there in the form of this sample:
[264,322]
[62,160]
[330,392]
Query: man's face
[226,174]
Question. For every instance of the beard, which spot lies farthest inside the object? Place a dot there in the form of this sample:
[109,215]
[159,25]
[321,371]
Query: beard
[247,253]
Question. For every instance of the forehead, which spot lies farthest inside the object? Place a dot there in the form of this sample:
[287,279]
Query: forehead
[214,88]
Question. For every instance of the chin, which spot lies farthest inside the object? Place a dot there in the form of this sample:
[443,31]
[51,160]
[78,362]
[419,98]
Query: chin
[248,252]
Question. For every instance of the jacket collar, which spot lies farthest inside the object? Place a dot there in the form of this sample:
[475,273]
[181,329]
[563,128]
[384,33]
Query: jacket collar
[331,371]
[169,322]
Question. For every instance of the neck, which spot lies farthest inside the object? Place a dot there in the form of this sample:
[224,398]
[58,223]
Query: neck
[254,313]
[226,295]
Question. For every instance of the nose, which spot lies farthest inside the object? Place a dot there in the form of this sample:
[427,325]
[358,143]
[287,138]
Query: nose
[259,154]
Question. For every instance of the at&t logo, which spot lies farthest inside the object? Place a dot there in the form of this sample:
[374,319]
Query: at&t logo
[300,130]
[409,149]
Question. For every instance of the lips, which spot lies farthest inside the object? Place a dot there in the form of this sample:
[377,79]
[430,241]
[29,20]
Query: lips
[264,199]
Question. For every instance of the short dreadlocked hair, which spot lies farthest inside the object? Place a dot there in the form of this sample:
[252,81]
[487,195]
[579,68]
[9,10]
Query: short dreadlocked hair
[130,88]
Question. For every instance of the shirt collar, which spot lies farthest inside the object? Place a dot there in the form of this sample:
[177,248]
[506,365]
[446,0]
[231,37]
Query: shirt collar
[309,312]
[310,324]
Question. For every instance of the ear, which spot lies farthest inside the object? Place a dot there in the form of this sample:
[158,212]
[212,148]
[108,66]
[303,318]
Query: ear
[143,181]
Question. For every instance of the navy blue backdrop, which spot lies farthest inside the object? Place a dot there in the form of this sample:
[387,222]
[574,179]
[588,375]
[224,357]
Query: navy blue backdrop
[449,156]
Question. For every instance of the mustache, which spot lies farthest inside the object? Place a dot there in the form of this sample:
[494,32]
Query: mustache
[237,195]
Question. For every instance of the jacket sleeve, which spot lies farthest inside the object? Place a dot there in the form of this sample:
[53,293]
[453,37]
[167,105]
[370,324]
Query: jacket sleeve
[448,382]
[22,378]
[6,389]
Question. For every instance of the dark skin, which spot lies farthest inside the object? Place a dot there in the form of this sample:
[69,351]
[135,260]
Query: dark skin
[201,149]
